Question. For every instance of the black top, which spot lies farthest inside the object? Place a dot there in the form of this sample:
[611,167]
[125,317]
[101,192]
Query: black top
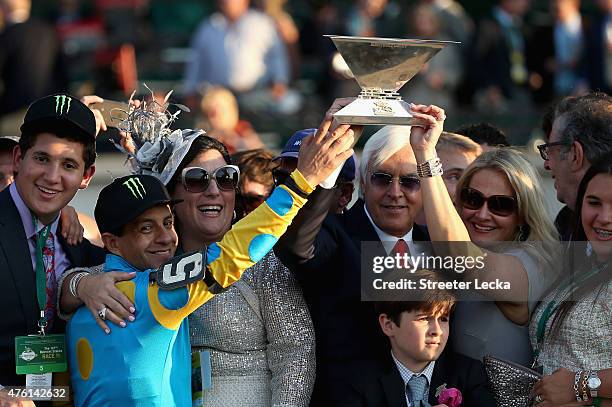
[383,386]
[31,64]
[326,257]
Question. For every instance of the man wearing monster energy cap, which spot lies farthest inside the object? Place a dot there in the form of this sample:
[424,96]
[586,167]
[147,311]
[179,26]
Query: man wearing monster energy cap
[54,159]
[115,369]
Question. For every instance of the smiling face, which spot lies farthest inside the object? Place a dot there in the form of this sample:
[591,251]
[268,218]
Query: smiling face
[204,217]
[393,207]
[483,226]
[419,338]
[147,241]
[597,215]
[49,174]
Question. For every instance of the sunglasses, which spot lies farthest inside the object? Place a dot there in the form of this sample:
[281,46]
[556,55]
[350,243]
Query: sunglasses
[543,148]
[280,176]
[252,201]
[196,179]
[409,183]
[500,205]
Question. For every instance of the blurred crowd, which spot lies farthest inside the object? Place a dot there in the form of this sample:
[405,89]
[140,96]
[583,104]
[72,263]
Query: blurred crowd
[221,273]
[514,56]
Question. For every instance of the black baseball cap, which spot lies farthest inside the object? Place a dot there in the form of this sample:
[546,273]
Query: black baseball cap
[126,198]
[60,113]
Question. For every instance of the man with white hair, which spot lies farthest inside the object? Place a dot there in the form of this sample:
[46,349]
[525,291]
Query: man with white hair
[330,272]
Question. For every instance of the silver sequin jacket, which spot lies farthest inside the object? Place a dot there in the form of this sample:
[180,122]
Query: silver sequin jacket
[258,360]
[583,341]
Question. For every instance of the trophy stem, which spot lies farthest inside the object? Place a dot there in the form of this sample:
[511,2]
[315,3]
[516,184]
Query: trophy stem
[379,93]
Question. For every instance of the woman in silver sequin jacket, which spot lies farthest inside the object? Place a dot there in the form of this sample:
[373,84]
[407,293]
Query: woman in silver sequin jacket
[258,333]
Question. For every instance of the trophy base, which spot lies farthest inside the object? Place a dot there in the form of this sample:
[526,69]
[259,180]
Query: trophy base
[377,111]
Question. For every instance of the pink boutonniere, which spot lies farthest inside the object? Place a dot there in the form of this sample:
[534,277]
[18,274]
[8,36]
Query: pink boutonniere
[451,397]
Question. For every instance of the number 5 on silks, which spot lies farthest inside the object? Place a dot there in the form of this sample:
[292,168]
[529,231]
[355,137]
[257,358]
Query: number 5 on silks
[181,270]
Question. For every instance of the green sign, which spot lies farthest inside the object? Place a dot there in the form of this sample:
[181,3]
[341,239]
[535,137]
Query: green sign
[40,354]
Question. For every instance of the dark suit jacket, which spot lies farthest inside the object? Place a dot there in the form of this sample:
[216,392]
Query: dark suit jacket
[31,64]
[383,386]
[541,49]
[490,56]
[346,328]
[595,54]
[18,302]
[564,222]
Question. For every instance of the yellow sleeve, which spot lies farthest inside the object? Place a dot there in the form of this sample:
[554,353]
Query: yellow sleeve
[247,242]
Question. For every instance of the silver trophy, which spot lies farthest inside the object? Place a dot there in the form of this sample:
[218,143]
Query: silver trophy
[381,66]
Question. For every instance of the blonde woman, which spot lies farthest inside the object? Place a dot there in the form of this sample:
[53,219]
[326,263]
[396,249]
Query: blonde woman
[502,213]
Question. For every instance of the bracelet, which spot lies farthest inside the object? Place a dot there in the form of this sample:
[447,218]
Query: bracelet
[430,168]
[72,288]
[75,282]
[576,381]
[585,395]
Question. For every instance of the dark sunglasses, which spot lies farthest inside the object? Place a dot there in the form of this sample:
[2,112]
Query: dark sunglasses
[543,148]
[196,179]
[410,183]
[252,201]
[500,205]
[280,176]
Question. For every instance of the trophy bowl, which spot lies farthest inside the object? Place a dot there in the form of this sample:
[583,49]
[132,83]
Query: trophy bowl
[381,66]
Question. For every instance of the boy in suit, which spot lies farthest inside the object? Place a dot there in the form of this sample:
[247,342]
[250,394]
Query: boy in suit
[420,366]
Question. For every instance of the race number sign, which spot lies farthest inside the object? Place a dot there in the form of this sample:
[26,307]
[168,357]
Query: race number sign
[181,270]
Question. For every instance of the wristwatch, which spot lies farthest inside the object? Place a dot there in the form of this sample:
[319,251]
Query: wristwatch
[593,383]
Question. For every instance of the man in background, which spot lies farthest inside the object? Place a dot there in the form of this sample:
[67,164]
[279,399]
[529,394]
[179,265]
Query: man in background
[30,63]
[7,145]
[240,49]
[581,134]
[286,162]
[456,152]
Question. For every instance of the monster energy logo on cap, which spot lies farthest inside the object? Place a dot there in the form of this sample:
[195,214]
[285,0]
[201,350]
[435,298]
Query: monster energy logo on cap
[136,187]
[60,102]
